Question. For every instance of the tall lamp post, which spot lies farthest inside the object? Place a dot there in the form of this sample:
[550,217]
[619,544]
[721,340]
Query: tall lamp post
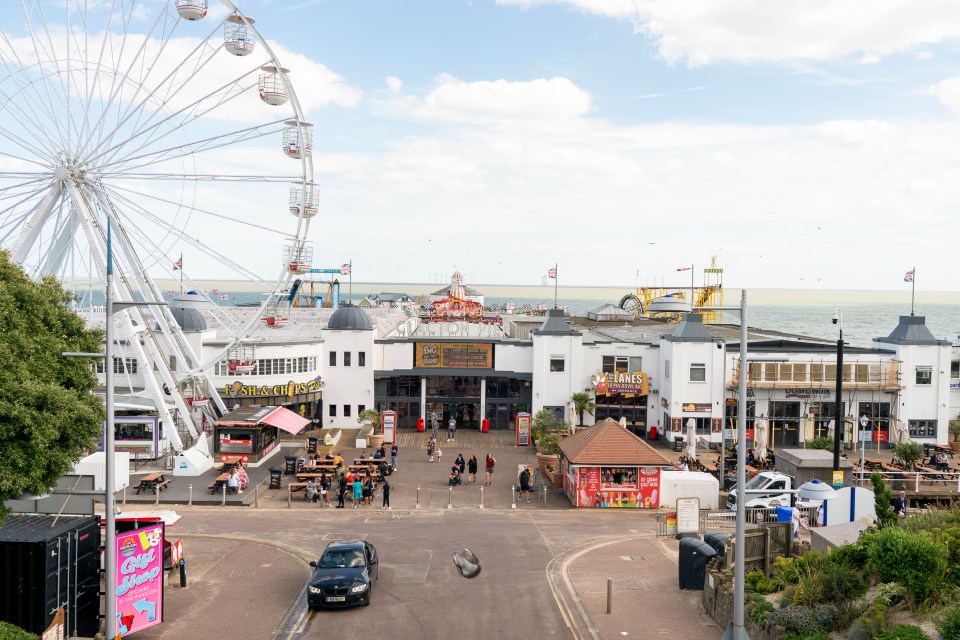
[838,400]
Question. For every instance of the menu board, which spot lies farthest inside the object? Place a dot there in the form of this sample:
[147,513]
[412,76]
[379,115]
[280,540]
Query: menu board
[453,355]
[688,515]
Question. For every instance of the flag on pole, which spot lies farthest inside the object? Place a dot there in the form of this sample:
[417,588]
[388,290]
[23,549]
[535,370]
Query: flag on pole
[224,296]
[214,290]
[684,269]
[552,272]
[908,276]
[346,269]
[178,264]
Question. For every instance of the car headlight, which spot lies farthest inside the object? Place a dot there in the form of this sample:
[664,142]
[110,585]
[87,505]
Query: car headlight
[315,589]
[360,588]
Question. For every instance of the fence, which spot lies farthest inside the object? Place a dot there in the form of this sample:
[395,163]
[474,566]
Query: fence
[726,521]
[761,546]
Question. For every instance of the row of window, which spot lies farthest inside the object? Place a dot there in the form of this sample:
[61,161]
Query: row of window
[272,366]
[347,358]
[610,364]
[120,365]
[347,410]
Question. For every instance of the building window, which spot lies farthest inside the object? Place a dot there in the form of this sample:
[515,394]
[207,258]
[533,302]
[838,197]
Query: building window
[666,369]
[636,364]
[333,358]
[346,411]
[361,358]
[361,408]
[955,370]
[923,428]
[924,375]
[557,364]
[346,358]
[616,364]
[333,411]
[120,365]
[173,363]
[698,372]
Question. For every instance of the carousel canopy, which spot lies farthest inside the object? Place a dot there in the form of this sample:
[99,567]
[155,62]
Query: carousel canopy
[607,443]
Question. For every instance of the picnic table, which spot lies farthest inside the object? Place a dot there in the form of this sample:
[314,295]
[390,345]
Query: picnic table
[219,482]
[153,481]
[230,462]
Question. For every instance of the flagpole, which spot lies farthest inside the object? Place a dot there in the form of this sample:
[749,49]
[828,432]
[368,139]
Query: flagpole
[181,272]
[555,278]
[913,288]
[691,288]
[351,281]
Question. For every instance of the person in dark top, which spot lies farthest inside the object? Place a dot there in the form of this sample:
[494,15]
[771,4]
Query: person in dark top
[385,487]
[472,470]
[461,464]
[342,488]
[525,484]
[900,504]
[394,450]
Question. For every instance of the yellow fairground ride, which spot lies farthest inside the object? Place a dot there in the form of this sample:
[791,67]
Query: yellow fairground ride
[642,303]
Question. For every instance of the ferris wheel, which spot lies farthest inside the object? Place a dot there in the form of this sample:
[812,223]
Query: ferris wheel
[176,125]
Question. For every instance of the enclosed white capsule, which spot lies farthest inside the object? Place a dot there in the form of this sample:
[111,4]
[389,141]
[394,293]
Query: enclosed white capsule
[273,90]
[304,201]
[192,9]
[297,139]
[238,36]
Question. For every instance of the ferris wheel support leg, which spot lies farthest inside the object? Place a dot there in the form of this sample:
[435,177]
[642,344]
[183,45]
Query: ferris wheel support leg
[60,248]
[31,230]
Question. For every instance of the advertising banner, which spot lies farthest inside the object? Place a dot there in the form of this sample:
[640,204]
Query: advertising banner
[388,421]
[457,355]
[139,587]
[588,485]
[592,491]
[523,429]
[627,382]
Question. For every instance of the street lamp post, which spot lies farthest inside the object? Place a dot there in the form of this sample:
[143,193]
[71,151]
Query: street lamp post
[838,400]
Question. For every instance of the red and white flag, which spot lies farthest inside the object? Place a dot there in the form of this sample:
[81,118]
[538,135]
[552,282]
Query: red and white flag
[346,269]
[908,276]
[178,265]
[684,269]
[224,296]
[552,272]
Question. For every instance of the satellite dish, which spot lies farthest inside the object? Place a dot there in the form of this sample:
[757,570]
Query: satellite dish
[467,563]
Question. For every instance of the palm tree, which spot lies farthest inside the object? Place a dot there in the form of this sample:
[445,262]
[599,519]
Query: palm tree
[582,402]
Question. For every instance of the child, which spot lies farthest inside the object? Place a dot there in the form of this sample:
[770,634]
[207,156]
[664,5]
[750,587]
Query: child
[439,454]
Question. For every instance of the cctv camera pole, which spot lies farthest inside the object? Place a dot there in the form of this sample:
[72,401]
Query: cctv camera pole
[838,405]
[109,501]
[739,631]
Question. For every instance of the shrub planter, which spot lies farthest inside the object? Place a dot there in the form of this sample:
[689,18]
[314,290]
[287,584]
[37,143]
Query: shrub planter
[543,460]
[376,440]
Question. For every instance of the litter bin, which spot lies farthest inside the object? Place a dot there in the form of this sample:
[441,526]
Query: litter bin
[485,425]
[312,445]
[419,424]
[694,556]
[678,445]
[291,465]
[717,540]
[275,474]
[652,434]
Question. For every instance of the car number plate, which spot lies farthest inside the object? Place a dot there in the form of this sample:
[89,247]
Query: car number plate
[336,598]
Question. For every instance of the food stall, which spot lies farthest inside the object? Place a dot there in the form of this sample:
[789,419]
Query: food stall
[253,433]
[608,466]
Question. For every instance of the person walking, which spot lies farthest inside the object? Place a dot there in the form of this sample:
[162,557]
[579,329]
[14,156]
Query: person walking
[491,461]
[394,450]
[434,424]
[472,470]
[342,489]
[386,493]
[431,447]
[451,428]
[461,463]
[525,483]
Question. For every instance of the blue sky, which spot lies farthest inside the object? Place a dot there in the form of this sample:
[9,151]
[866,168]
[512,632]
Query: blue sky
[806,144]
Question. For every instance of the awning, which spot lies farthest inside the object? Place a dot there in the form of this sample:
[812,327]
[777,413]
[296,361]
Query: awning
[285,419]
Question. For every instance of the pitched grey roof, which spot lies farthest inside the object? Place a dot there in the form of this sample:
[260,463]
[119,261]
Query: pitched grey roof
[912,330]
[556,325]
[690,330]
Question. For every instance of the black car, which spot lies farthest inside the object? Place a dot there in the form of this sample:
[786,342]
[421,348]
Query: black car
[344,575]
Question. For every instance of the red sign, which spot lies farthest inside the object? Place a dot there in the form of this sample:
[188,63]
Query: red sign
[880,436]
[588,484]
[228,441]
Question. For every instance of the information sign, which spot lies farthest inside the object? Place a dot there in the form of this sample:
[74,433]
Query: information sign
[688,515]
[388,421]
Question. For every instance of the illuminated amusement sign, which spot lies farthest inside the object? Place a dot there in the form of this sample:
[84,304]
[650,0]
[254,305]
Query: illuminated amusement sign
[635,382]
[459,355]
[139,586]
[240,390]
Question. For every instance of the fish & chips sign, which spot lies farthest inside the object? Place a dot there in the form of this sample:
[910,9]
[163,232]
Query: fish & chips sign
[240,390]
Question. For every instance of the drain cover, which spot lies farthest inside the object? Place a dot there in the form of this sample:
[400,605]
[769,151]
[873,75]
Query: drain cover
[410,573]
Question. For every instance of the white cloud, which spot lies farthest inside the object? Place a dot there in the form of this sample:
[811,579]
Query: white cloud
[949,93]
[541,101]
[705,31]
[394,84]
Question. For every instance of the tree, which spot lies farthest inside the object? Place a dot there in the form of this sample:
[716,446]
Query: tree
[908,452]
[882,501]
[954,427]
[582,402]
[369,415]
[48,413]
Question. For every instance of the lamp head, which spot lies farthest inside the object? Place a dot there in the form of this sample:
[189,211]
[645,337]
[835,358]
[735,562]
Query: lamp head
[835,319]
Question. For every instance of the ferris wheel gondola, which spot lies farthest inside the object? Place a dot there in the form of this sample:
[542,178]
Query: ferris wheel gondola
[150,122]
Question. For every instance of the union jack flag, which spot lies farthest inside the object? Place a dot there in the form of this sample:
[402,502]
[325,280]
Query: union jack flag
[908,276]
[178,265]
[552,272]
[214,290]
[684,269]
[346,269]
[170,293]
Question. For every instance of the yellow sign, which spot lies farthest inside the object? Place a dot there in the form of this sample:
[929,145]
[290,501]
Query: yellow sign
[454,355]
[240,390]
[838,478]
[626,382]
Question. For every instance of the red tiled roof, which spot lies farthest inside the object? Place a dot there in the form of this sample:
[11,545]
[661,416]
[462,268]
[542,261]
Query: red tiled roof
[608,443]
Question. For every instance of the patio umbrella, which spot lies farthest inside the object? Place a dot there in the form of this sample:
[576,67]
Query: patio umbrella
[901,432]
[830,428]
[691,439]
[760,439]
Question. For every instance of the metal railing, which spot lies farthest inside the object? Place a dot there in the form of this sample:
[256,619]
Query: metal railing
[725,521]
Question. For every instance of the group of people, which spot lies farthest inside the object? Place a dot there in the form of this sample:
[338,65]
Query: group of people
[360,487]
[237,480]
[462,467]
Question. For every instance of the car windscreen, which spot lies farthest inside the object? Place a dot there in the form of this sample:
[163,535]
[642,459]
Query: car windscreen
[758,482]
[342,558]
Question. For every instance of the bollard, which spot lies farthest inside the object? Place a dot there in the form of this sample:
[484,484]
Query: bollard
[916,483]
[190,496]
[513,497]
[124,496]
[223,501]
[289,497]
[156,495]
[418,496]
[481,497]
[609,595]
[183,573]
[450,499]
[256,497]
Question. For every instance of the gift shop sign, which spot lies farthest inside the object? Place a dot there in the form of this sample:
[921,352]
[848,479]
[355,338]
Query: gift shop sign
[139,586]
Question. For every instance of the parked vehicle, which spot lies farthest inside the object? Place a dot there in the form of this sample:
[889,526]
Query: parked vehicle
[778,485]
[344,575]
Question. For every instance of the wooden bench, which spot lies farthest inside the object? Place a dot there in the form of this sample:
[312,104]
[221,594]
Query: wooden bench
[708,466]
[297,486]
[218,483]
[161,485]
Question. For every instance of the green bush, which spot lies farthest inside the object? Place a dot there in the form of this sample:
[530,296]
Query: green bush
[948,624]
[802,620]
[758,609]
[548,444]
[12,632]
[883,502]
[908,452]
[758,582]
[810,636]
[821,442]
[915,560]
[902,632]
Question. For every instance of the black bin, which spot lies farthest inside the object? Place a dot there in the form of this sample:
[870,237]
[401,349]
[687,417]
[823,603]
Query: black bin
[291,462]
[312,445]
[717,540]
[694,556]
[678,445]
[275,474]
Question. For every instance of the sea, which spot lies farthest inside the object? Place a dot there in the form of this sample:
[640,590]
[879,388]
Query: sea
[866,314]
